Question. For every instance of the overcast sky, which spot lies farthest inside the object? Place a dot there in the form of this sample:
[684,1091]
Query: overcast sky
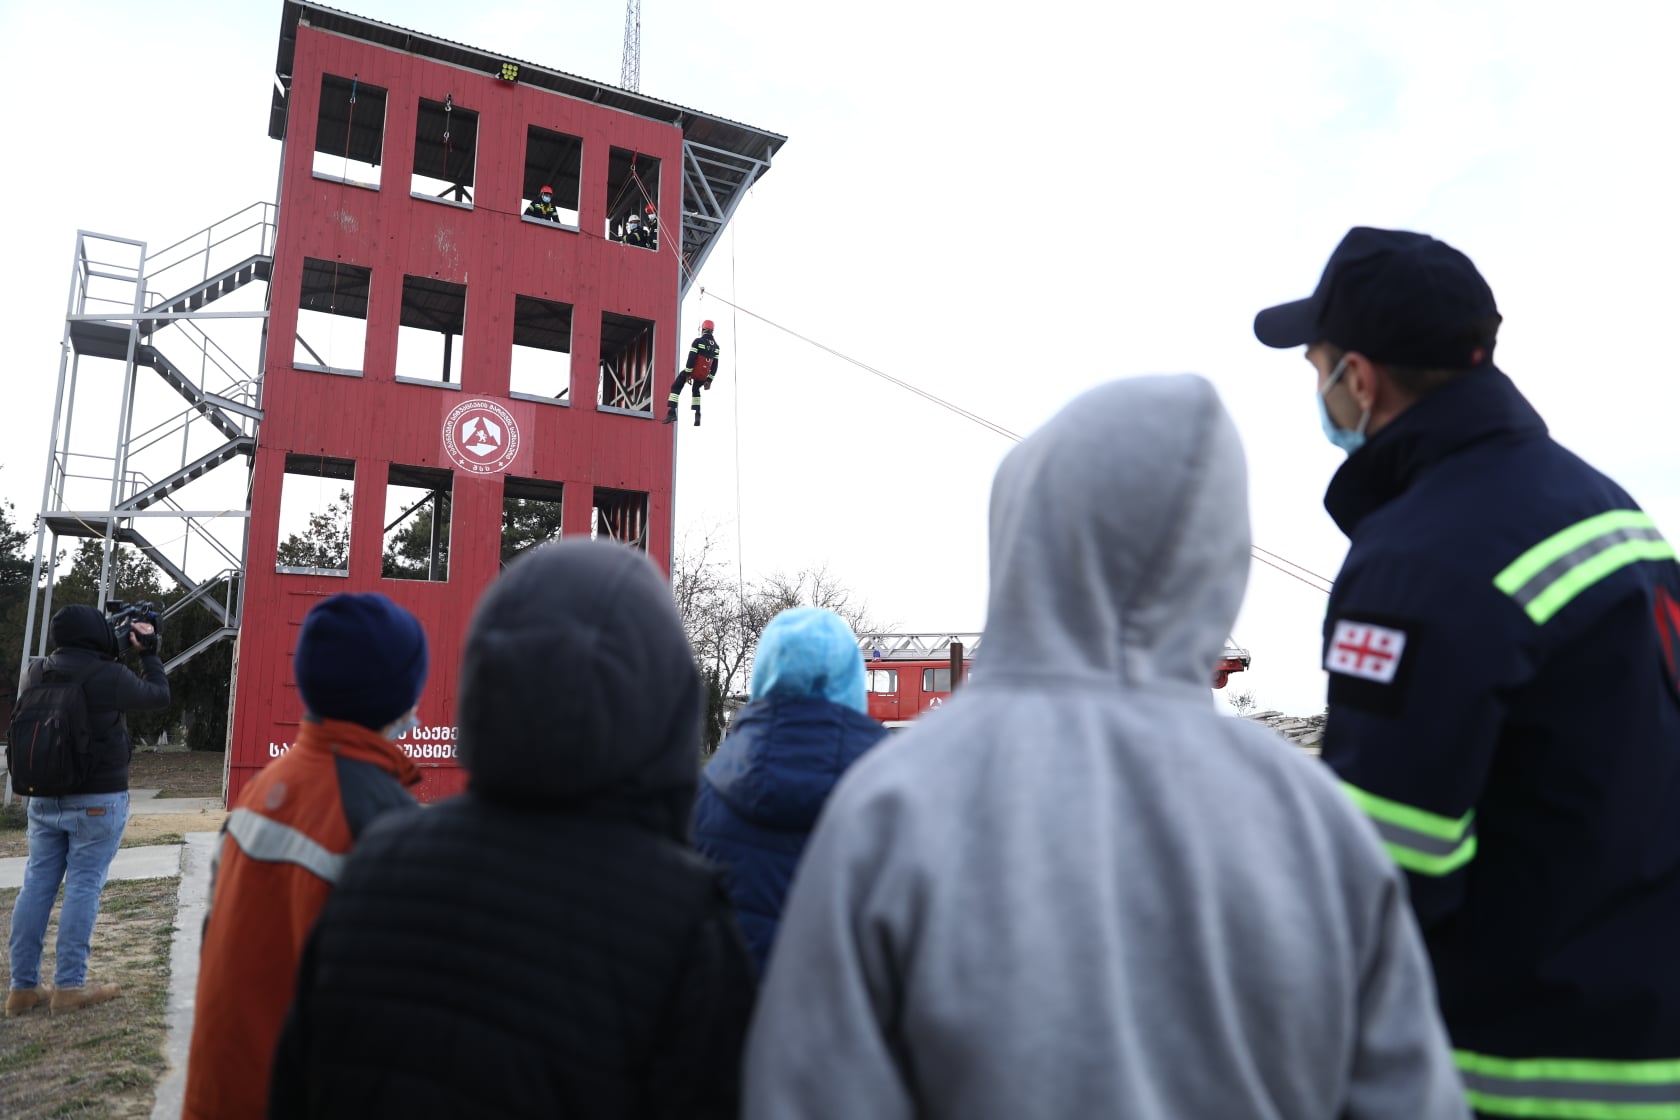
[1003,205]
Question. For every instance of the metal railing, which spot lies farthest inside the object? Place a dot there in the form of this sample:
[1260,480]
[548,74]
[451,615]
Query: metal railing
[239,236]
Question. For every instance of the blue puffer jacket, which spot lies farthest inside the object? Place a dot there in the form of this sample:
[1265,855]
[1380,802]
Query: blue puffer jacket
[760,796]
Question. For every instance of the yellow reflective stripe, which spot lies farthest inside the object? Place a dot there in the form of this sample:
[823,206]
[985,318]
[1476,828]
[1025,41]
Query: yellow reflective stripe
[1418,820]
[1558,595]
[1549,576]
[1416,839]
[1558,545]
[1425,863]
[1571,1088]
[1536,1108]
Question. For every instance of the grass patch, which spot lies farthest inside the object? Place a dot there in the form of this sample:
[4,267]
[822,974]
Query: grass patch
[22,1057]
[177,773]
[166,838]
[125,1079]
[13,818]
[103,1061]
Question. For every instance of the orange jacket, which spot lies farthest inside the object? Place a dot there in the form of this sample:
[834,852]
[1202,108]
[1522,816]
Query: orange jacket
[283,847]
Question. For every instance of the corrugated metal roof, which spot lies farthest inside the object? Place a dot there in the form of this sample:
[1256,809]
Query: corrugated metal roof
[335,288]
[703,128]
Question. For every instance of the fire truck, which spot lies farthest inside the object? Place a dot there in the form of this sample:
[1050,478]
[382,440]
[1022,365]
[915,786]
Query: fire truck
[909,673]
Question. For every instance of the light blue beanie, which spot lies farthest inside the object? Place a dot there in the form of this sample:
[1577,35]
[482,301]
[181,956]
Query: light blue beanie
[809,652]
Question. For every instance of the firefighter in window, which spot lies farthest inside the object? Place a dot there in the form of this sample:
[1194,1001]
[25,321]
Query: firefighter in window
[543,207]
[703,360]
[635,234]
[650,225]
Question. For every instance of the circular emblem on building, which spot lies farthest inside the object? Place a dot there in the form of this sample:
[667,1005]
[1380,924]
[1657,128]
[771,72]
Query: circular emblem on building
[480,436]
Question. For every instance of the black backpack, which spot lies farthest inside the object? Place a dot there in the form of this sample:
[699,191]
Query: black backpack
[48,753]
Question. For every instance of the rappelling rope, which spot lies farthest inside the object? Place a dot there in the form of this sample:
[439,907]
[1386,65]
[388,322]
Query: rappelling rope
[735,399]
[1292,571]
[923,393]
[653,208]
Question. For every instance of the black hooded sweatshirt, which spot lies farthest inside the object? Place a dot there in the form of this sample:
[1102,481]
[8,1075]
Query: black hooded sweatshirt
[85,647]
[546,944]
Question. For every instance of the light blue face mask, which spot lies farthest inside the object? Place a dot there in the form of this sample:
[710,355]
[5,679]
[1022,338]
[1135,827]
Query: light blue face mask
[1348,441]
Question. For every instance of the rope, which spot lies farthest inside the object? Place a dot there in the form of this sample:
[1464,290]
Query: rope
[624,186]
[989,425]
[1322,579]
[1287,572]
[675,248]
[350,122]
[735,398]
[923,393]
[1260,554]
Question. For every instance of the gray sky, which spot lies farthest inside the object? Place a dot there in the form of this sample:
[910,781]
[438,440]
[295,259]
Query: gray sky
[1001,205]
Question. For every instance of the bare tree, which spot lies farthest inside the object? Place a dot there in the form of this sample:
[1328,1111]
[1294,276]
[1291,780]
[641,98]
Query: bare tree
[1244,702]
[817,587]
[725,615]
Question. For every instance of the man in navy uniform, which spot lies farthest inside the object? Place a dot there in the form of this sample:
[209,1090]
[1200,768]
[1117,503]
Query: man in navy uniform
[1503,650]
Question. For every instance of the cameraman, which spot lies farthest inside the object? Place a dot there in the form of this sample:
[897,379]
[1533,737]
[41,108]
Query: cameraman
[73,838]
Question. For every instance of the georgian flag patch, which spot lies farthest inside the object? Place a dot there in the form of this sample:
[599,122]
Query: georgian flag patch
[1366,651]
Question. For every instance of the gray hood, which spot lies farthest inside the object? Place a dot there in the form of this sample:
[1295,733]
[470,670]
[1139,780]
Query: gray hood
[1120,538]
[1078,890]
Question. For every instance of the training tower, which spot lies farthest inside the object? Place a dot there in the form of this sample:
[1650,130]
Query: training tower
[476,381]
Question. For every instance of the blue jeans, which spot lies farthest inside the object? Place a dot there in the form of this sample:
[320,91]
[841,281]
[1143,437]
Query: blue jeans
[71,840]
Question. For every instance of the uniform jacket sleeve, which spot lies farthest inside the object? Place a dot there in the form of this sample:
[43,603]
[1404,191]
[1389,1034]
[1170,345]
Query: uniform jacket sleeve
[1402,1061]
[697,1073]
[823,1044]
[1414,750]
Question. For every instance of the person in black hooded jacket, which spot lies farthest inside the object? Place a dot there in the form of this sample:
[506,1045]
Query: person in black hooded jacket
[545,944]
[73,838]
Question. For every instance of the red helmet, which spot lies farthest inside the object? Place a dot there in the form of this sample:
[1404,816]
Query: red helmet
[705,326]
[650,208]
[546,190]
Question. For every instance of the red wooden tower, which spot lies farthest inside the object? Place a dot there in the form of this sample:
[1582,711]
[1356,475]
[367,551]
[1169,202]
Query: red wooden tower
[476,378]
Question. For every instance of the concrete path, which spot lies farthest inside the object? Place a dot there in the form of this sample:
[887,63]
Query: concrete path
[151,861]
[194,897]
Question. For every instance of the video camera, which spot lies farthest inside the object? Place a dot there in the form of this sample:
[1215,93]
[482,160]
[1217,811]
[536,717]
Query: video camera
[123,616]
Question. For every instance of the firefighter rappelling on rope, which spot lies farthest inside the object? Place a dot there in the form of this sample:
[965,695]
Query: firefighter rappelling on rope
[702,367]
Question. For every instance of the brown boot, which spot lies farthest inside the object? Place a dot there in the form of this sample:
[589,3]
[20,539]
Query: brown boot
[74,999]
[21,1001]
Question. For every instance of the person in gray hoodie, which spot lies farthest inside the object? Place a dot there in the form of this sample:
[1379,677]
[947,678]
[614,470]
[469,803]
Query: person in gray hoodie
[1077,890]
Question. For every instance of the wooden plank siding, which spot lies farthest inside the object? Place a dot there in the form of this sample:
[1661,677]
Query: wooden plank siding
[375,420]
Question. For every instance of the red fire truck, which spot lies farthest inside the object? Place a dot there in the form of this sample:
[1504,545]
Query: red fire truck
[909,673]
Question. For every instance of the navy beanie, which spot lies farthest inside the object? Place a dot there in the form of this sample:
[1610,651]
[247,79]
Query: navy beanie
[360,658]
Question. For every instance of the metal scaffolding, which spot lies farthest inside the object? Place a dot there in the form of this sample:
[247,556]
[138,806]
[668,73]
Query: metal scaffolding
[129,305]
[715,182]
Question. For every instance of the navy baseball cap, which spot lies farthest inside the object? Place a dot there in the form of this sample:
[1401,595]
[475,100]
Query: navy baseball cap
[1396,297]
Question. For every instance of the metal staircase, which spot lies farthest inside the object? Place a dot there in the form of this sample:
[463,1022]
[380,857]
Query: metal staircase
[110,340]
[130,305]
[238,445]
[210,289]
